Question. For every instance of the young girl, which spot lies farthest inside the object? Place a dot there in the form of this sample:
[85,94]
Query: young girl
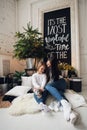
[39,80]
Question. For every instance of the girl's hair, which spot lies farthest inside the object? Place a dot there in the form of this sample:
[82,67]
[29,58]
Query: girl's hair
[41,63]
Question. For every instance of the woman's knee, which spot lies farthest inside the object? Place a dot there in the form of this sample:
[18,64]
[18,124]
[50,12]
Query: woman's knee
[62,83]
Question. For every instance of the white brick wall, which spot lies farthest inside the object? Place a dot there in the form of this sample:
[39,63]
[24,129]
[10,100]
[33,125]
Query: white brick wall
[7,30]
[7,25]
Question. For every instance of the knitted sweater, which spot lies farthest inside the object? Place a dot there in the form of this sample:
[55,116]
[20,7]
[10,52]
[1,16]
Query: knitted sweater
[39,80]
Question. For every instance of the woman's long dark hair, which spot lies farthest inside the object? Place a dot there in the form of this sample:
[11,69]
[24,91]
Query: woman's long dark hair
[54,67]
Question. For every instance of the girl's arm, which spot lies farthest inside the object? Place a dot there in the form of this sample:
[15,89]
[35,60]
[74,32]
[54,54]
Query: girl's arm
[34,82]
[44,80]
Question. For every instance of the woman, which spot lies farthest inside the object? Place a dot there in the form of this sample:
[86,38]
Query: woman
[39,81]
[56,87]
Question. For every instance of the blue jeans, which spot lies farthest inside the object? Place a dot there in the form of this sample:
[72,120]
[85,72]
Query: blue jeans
[43,98]
[57,89]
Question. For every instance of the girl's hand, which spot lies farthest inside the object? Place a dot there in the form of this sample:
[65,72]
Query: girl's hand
[42,89]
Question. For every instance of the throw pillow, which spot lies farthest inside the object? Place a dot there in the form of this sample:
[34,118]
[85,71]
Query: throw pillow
[27,81]
[18,91]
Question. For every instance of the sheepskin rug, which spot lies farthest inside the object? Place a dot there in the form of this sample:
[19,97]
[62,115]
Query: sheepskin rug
[26,104]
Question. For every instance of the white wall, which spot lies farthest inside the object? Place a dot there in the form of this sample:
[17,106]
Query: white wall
[7,25]
[7,31]
[24,12]
[14,15]
[34,12]
[83,38]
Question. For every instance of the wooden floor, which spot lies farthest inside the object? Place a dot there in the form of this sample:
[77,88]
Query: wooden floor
[4,104]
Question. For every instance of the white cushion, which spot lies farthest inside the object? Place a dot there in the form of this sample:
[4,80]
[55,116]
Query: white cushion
[27,81]
[23,89]
[74,98]
[18,91]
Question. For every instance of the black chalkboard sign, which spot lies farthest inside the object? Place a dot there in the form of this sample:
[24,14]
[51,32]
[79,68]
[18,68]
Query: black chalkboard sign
[57,34]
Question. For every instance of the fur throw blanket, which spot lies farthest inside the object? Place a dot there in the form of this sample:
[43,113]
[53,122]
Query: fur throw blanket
[26,104]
